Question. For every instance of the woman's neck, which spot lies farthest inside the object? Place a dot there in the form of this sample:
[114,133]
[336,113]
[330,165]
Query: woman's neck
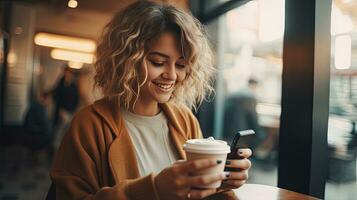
[145,109]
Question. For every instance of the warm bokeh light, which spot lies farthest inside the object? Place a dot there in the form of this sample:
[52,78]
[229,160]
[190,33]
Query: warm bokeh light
[343,52]
[65,42]
[73,56]
[11,59]
[75,65]
[72,3]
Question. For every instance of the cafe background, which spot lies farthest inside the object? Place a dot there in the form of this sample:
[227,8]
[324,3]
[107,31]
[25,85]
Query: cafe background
[248,39]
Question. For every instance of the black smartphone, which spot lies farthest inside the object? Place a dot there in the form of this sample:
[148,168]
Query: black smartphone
[242,139]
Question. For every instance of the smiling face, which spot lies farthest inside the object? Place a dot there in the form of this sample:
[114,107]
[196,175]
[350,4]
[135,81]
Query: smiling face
[165,70]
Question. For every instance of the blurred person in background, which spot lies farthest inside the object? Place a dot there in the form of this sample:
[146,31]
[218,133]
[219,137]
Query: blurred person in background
[240,114]
[65,94]
[37,126]
[153,65]
[66,99]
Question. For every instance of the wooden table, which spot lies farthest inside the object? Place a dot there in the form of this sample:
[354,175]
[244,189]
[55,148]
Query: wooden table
[255,191]
[261,192]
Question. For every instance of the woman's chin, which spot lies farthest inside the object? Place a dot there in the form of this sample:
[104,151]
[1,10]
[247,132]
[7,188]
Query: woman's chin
[163,99]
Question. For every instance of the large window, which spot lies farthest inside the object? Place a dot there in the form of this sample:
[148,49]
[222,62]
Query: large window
[342,131]
[248,86]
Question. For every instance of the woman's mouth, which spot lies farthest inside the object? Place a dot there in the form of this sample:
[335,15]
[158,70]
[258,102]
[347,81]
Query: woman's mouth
[164,87]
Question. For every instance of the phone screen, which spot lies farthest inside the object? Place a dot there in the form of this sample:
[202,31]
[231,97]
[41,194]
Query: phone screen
[245,141]
[242,139]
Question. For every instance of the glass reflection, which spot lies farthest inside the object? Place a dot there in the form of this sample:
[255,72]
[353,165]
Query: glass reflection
[250,67]
[342,135]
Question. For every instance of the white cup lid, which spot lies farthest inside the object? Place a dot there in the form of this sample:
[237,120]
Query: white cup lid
[207,145]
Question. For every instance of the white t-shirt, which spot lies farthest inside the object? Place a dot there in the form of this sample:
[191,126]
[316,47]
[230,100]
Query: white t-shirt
[150,136]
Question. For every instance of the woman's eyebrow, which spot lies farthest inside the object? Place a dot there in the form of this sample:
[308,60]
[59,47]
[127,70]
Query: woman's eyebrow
[162,54]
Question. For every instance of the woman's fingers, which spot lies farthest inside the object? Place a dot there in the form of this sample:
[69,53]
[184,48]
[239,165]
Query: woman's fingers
[233,184]
[176,180]
[242,175]
[244,152]
[179,162]
[238,168]
[241,164]
[205,179]
[235,179]
[200,194]
[195,165]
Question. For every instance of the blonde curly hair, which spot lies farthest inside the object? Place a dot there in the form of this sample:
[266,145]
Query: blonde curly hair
[123,47]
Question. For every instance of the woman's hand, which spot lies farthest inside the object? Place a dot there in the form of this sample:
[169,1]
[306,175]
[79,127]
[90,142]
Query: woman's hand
[237,178]
[175,182]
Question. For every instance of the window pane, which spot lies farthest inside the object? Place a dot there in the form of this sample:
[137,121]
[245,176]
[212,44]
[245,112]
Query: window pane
[342,135]
[248,87]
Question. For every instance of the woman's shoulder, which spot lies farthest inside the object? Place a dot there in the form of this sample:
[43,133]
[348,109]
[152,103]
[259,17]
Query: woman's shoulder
[103,112]
[91,122]
[104,107]
[85,115]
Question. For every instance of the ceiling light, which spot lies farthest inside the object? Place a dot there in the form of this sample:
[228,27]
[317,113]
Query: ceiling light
[65,42]
[75,65]
[72,3]
[75,56]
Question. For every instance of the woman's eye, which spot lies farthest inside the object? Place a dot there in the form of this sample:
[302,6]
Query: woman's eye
[156,63]
[181,66]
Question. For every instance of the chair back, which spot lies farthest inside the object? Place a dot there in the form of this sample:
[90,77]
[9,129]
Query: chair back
[51,194]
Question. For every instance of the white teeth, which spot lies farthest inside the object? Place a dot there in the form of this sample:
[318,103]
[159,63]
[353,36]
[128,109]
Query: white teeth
[164,86]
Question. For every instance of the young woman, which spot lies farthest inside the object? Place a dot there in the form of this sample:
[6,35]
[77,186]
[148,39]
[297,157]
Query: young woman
[153,64]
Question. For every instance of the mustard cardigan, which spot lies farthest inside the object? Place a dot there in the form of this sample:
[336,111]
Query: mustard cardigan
[97,152]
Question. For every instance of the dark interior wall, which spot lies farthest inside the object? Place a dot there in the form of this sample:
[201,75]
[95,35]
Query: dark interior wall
[5,12]
[305,97]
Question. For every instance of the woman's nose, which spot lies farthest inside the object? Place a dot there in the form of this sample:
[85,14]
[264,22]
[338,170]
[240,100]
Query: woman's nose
[170,72]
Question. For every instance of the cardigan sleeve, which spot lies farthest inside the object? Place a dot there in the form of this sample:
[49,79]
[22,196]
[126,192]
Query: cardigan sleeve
[80,169]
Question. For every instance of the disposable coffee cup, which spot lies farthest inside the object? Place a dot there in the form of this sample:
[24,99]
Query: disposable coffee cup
[208,148]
